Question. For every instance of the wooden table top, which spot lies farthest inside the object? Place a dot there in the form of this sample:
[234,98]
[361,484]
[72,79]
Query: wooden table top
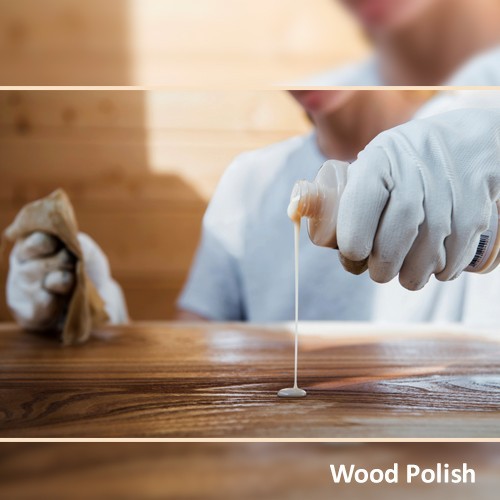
[220,381]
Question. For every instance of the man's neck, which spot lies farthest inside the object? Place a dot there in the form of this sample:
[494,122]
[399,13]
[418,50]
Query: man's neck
[343,134]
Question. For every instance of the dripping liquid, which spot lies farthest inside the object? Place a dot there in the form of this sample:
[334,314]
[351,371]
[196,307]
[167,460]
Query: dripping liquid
[295,391]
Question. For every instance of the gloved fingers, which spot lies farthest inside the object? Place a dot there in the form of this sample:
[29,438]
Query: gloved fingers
[462,244]
[396,233]
[36,245]
[362,203]
[47,307]
[352,266]
[427,256]
[34,307]
[59,282]
[460,250]
[35,270]
[64,259]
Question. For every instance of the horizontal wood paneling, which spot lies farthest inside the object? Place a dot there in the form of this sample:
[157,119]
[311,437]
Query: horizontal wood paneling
[193,43]
[236,110]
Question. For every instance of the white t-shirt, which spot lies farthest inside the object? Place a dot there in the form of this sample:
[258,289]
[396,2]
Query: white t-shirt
[244,268]
[481,70]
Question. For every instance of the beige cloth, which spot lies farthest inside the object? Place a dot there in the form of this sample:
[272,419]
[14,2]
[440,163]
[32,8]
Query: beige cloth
[54,215]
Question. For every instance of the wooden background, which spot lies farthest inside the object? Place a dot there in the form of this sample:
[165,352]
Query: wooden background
[139,167]
[188,43]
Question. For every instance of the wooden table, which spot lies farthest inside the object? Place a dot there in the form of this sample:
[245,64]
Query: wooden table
[206,471]
[220,380]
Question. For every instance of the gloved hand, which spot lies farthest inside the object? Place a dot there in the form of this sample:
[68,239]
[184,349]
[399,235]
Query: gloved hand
[419,196]
[42,276]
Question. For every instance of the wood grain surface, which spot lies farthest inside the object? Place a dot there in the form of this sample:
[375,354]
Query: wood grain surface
[234,470]
[220,380]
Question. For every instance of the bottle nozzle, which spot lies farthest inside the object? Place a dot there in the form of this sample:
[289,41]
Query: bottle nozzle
[304,201]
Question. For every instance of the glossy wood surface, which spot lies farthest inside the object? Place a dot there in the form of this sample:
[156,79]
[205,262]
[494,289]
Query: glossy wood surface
[214,380]
[201,471]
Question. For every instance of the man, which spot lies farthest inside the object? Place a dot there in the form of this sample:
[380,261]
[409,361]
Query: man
[244,266]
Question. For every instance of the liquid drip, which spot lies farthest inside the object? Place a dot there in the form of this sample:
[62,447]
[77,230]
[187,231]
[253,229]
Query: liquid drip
[295,391]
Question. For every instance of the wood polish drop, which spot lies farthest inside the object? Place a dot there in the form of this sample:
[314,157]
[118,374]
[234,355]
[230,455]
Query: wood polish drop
[293,213]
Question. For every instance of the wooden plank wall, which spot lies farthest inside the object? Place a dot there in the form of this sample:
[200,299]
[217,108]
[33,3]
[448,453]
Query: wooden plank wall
[188,43]
[140,168]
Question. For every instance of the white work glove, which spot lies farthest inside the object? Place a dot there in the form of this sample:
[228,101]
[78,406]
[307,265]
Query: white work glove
[42,276]
[419,196]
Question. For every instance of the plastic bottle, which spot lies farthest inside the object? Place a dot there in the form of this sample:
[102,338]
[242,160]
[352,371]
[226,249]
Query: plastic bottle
[319,200]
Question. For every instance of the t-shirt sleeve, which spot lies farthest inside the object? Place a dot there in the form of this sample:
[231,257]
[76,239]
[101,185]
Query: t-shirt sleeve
[214,289]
